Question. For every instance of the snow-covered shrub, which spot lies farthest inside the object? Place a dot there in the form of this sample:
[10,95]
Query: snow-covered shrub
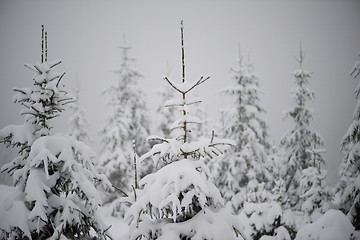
[178,201]
[281,233]
[14,213]
[265,218]
[59,181]
[315,195]
[333,225]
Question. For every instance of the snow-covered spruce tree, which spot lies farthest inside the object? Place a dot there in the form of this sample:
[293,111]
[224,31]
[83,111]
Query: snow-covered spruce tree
[178,201]
[79,125]
[302,137]
[265,213]
[349,172]
[126,122]
[42,102]
[245,124]
[315,195]
[55,172]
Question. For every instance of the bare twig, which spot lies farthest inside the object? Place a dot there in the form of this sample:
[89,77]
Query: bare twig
[62,75]
[172,85]
[124,193]
[201,80]
[31,67]
[54,64]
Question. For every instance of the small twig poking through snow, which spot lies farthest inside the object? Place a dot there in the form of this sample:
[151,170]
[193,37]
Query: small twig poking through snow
[133,188]
[62,75]
[135,168]
[124,193]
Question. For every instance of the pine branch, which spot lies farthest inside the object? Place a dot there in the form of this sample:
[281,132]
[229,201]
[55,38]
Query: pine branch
[36,67]
[55,64]
[172,85]
[62,75]
[201,80]
[33,68]
[19,90]
[156,138]
[124,193]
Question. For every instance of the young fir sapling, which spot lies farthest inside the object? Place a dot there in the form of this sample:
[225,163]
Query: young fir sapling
[178,201]
[244,122]
[349,172]
[55,173]
[301,138]
[79,125]
[127,121]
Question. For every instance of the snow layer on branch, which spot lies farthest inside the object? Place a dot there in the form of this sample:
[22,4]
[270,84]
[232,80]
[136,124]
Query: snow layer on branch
[170,192]
[333,225]
[182,102]
[59,181]
[23,134]
[301,73]
[76,157]
[185,87]
[188,118]
[209,223]
[281,233]
[13,211]
[171,149]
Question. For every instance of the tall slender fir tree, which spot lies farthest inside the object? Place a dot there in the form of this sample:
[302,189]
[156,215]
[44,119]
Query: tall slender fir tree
[349,173]
[246,125]
[302,137]
[79,125]
[126,122]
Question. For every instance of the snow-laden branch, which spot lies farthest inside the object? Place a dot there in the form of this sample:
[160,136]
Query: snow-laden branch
[186,87]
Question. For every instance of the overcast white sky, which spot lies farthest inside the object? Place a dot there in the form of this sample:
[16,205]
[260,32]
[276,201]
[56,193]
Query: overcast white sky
[85,35]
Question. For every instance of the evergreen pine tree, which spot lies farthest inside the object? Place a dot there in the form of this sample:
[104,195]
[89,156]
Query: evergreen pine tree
[78,122]
[349,173]
[301,138]
[178,201]
[126,122]
[55,173]
[245,124]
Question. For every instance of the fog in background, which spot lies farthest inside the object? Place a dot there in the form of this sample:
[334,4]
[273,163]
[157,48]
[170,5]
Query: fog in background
[86,36]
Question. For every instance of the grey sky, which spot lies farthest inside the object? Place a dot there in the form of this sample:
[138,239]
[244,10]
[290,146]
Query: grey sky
[85,35]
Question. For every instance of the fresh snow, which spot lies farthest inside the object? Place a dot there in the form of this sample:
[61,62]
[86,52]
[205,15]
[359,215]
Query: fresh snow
[333,225]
